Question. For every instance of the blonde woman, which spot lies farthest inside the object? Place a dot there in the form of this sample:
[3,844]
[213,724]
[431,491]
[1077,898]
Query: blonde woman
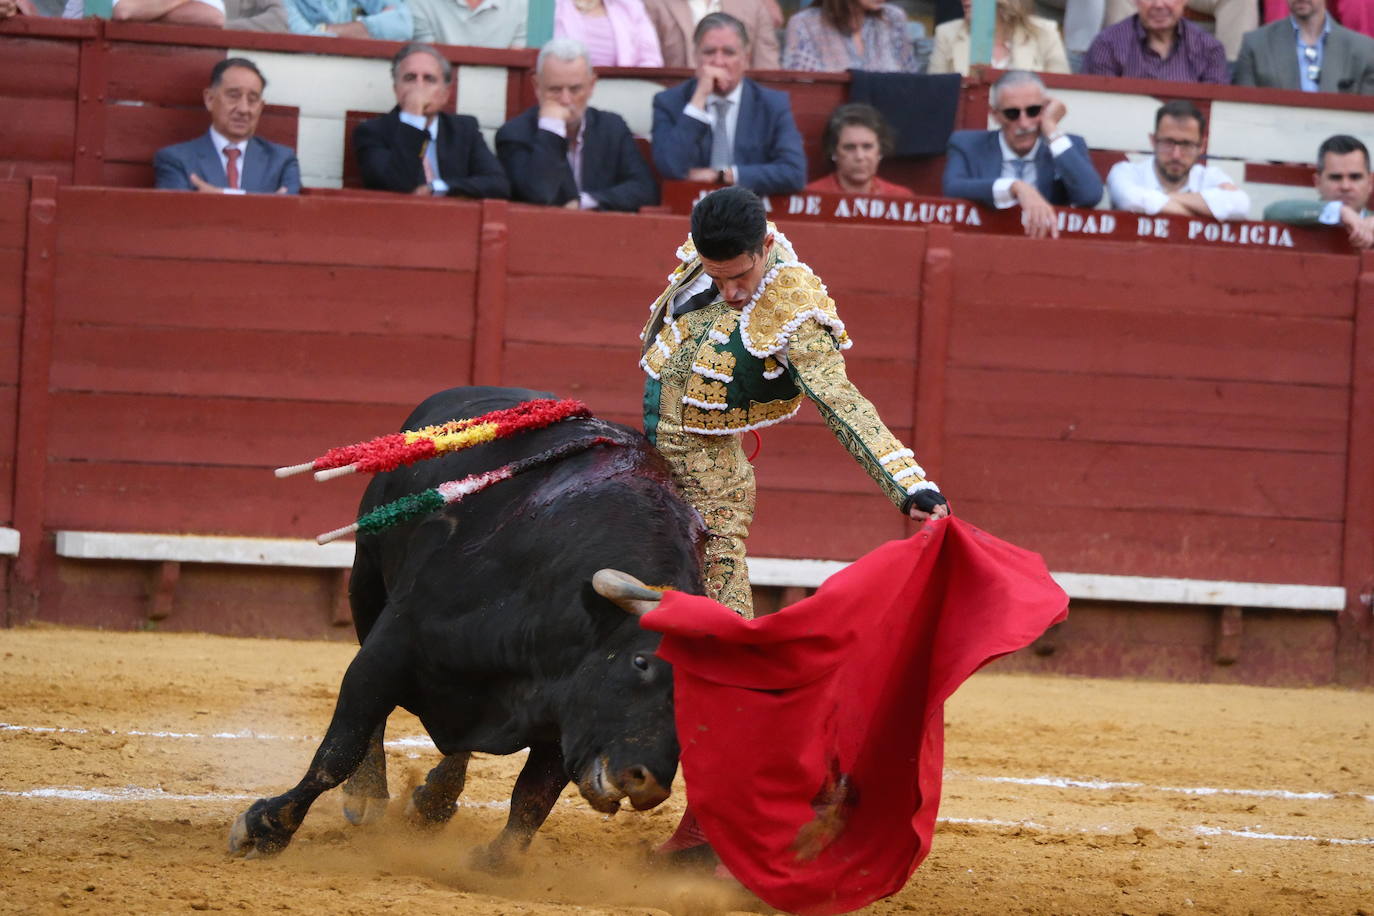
[1020,42]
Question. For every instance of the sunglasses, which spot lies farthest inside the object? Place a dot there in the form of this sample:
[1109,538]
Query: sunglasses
[1014,114]
[1314,69]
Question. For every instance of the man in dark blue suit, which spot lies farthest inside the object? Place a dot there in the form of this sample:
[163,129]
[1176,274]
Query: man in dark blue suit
[724,128]
[563,153]
[228,159]
[1028,163]
[418,147]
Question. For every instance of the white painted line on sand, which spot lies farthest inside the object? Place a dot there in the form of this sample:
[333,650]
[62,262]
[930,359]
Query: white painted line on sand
[1059,782]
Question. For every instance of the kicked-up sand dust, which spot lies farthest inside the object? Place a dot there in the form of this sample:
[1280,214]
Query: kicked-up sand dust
[125,757]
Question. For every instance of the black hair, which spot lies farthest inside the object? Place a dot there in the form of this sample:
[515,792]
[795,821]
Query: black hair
[1182,110]
[217,72]
[1341,145]
[728,223]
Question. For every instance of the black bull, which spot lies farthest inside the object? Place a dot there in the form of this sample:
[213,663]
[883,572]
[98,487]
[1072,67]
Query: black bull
[480,619]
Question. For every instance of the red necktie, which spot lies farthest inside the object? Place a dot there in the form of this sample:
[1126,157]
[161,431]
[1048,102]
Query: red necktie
[232,168]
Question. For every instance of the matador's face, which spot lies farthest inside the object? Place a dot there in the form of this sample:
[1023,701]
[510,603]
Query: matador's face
[739,277]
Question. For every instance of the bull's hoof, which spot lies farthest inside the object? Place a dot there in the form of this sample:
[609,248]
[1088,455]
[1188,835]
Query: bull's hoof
[361,810]
[494,859]
[424,814]
[243,841]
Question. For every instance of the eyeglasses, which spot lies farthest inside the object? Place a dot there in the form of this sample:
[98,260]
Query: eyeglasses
[1014,114]
[1314,67]
[1183,146]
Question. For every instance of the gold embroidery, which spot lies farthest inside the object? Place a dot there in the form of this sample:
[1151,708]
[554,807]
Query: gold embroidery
[707,391]
[793,291]
[716,363]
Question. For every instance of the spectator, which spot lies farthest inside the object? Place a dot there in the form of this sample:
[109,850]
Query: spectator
[207,13]
[616,33]
[563,153]
[1233,18]
[1309,51]
[386,19]
[747,138]
[1082,21]
[476,23]
[856,139]
[256,15]
[1356,15]
[1158,44]
[417,147]
[836,35]
[677,21]
[1020,42]
[10,8]
[1172,181]
[1029,162]
[229,159]
[1343,185]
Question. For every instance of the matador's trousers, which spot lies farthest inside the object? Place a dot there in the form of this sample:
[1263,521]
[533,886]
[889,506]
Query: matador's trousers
[718,481]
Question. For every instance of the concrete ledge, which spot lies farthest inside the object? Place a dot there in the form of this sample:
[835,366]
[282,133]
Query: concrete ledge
[9,542]
[1097,587]
[765,571]
[188,548]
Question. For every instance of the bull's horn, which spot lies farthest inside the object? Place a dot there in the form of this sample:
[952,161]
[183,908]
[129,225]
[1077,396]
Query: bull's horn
[626,591]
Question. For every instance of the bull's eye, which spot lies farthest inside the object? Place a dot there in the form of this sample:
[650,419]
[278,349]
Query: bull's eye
[641,662]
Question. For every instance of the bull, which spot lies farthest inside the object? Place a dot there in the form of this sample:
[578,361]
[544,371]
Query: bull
[481,620]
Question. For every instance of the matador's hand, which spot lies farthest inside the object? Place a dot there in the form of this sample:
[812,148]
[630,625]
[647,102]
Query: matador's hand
[927,504]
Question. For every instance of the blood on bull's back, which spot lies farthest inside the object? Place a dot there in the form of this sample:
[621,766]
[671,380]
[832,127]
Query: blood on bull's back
[480,619]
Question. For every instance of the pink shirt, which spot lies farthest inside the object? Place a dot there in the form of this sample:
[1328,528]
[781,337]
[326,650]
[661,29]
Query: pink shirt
[636,42]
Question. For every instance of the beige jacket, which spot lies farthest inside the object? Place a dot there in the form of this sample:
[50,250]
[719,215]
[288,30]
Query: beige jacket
[672,20]
[1042,51]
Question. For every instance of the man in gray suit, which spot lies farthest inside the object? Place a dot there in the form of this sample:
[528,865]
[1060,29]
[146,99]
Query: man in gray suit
[228,159]
[1309,51]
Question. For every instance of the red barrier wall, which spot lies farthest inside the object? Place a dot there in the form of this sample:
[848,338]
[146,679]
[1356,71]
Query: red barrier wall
[1135,408]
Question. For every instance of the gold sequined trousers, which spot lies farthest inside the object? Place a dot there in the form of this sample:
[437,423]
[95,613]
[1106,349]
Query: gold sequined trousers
[718,481]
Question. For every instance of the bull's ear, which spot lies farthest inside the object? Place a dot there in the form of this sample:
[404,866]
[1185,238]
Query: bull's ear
[625,591]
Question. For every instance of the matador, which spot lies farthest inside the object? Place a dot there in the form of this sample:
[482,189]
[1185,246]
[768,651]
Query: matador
[742,333]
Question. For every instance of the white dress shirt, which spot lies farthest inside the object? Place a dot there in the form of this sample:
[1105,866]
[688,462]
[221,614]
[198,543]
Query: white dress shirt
[1001,188]
[222,143]
[432,151]
[1134,186]
[731,116]
[559,127]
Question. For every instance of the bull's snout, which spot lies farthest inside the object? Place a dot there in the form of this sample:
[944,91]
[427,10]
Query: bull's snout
[642,788]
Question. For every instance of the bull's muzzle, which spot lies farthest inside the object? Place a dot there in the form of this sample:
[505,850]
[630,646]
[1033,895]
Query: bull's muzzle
[603,789]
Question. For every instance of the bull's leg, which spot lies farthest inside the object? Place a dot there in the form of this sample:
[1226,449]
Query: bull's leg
[433,803]
[365,794]
[364,703]
[536,791]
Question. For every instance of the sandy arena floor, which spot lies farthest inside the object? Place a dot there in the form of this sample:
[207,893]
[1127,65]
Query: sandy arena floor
[125,757]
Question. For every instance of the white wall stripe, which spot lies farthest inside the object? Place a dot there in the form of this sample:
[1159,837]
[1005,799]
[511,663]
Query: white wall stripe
[9,542]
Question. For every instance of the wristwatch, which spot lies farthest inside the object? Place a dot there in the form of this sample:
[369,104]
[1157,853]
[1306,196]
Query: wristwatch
[720,176]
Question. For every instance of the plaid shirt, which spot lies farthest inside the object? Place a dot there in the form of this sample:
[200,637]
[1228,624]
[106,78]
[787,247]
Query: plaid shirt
[1122,50]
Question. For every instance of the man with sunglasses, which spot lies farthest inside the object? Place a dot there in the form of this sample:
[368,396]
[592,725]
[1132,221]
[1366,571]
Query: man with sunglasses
[1344,184]
[1172,181]
[1028,163]
[1309,51]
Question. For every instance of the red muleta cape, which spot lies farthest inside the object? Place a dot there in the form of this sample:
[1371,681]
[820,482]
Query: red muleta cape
[850,682]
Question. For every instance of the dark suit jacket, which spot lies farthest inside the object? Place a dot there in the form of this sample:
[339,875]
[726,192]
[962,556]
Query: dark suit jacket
[974,161]
[388,152]
[613,171]
[266,166]
[768,148]
[1269,58]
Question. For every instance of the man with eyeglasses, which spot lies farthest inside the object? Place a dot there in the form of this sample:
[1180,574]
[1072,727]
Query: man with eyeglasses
[1172,181]
[1029,162]
[1309,51]
[1344,184]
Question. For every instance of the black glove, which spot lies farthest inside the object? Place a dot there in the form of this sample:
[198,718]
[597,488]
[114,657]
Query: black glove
[925,500]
